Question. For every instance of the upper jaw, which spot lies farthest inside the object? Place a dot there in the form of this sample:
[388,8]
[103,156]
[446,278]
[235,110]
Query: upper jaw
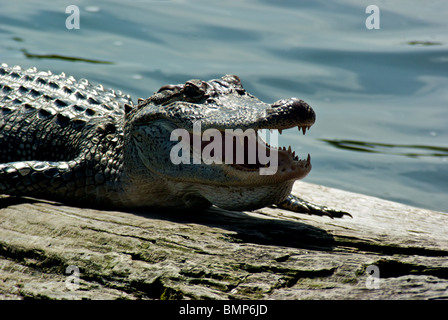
[222,104]
[256,115]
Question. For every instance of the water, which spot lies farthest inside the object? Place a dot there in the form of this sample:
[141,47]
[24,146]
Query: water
[381,96]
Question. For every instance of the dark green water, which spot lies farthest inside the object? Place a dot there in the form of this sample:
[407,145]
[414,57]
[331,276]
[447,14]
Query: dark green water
[381,96]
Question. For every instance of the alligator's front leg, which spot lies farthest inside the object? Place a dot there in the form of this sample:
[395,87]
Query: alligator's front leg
[295,204]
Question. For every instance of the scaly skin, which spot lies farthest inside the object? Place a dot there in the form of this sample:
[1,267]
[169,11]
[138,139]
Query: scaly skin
[70,141]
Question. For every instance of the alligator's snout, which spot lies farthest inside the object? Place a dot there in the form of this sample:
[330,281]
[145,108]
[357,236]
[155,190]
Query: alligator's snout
[288,113]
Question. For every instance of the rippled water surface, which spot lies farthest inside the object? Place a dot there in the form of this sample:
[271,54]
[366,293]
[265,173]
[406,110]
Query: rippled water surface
[381,95]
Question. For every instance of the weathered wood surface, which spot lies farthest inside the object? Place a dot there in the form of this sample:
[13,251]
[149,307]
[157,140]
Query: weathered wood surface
[218,254]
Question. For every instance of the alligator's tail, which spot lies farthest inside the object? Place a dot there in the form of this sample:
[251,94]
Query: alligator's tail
[44,179]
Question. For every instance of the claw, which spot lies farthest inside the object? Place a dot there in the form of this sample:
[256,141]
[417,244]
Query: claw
[295,204]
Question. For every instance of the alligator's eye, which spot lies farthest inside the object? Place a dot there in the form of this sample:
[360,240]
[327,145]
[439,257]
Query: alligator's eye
[195,89]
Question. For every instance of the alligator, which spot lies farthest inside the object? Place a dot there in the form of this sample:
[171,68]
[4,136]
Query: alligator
[74,142]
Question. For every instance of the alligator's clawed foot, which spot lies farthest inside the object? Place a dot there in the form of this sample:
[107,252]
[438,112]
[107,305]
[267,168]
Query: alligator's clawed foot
[295,204]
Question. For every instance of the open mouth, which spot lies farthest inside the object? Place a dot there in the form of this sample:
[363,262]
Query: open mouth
[248,150]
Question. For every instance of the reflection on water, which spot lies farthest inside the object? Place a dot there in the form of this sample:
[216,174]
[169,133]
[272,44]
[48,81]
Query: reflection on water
[393,149]
[423,43]
[61,57]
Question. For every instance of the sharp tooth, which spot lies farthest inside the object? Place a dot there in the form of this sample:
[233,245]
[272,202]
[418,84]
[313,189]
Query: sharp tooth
[293,154]
[289,149]
[298,128]
[308,160]
[304,129]
[280,131]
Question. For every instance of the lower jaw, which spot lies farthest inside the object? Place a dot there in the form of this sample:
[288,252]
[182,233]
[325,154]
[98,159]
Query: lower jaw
[247,198]
[259,178]
[283,168]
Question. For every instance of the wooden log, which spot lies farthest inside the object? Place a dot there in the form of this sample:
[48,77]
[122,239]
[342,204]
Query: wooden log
[386,251]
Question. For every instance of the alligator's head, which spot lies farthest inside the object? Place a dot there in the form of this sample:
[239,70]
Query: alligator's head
[203,139]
